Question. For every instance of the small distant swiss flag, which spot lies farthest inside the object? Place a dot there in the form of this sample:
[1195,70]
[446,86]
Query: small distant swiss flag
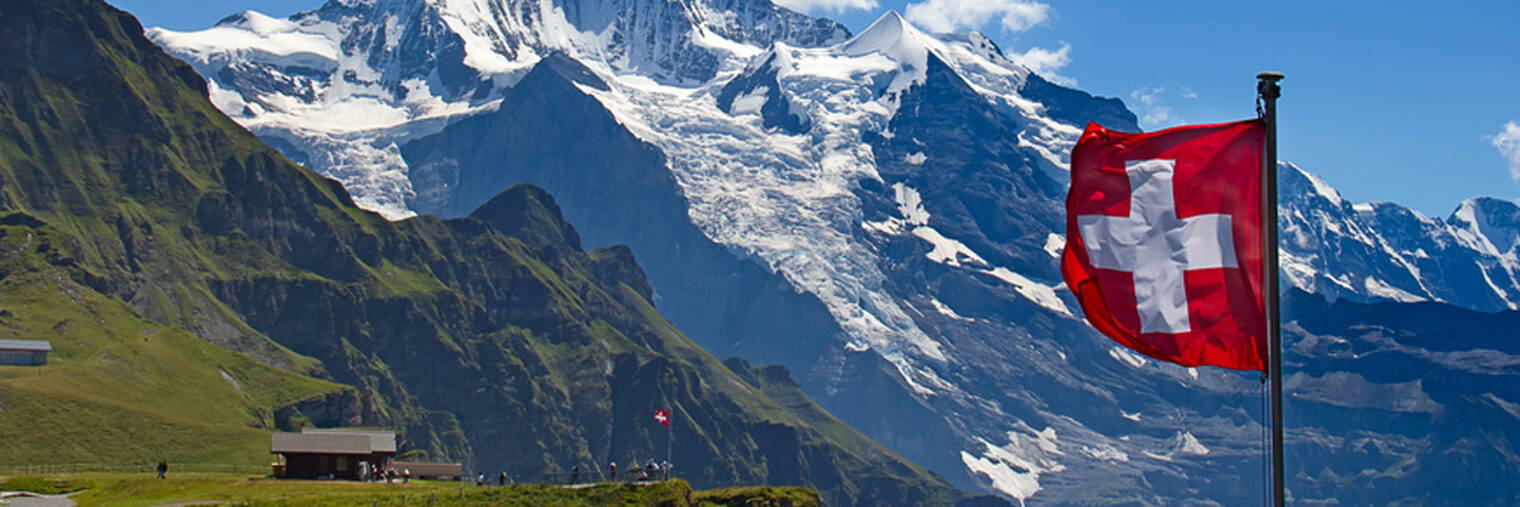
[663,416]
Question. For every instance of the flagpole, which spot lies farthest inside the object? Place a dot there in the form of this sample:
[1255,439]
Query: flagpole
[1266,87]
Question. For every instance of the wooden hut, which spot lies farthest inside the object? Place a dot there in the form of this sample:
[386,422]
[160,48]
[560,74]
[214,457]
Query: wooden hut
[24,352]
[332,454]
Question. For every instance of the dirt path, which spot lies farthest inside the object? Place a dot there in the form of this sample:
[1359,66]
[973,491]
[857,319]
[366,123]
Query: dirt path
[18,499]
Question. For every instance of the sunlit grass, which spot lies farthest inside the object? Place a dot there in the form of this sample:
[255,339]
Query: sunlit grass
[146,489]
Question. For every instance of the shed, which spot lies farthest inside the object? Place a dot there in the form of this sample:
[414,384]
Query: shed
[24,352]
[332,454]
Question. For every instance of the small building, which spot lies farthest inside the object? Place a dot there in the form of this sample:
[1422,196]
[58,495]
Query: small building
[24,352]
[331,453]
[434,471]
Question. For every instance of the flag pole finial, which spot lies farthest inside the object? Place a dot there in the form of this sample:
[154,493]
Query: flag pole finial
[1266,85]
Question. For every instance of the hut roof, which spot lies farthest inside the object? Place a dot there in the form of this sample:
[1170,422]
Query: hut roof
[25,345]
[332,443]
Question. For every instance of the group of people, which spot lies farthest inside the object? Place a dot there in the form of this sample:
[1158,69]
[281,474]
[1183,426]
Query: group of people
[387,475]
[501,480]
[648,472]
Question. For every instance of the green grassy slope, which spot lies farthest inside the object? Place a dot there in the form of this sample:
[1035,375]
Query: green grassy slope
[160,244]
[122,389]
[144,489]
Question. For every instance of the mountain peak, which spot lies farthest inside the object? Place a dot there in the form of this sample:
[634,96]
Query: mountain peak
[891,16]
[257,22]
[1487,212]
[529,213]
[891,36]
[1300,182]
[569,68]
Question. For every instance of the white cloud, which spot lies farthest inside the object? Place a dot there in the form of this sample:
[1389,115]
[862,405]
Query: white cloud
[1046,62]
[952,15]
[1507,141]
[1188,93]
[1153,113]
[834,6]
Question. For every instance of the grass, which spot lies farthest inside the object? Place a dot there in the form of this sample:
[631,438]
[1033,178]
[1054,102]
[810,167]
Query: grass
[121,389]
[758,496]
[145,489]
[43,485]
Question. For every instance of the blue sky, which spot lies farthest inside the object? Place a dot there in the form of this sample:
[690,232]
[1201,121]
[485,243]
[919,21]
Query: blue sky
[1412,102]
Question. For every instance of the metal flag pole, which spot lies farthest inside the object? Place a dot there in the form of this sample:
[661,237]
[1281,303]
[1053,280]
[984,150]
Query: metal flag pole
[1267,89]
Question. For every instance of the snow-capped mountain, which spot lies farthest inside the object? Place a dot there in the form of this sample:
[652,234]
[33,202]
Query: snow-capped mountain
[881,213]
[1383,251]
[338,87]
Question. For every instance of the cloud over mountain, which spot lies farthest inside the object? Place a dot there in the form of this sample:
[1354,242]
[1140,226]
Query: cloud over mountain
[1507,141]
[943,16]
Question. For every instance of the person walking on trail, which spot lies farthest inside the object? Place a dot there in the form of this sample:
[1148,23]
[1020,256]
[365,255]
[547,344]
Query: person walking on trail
[162,468]
[406,476]
[480,480]
[575,474]
[501,480]
[613,467]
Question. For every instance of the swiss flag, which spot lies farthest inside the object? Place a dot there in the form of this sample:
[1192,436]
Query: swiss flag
[663,416]
[1163,241]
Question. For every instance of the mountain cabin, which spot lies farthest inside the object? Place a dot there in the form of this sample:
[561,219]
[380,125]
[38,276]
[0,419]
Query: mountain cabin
[24,352]
[331,453]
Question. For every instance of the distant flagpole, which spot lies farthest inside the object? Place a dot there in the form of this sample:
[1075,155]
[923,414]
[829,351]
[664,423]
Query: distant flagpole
[1268,91]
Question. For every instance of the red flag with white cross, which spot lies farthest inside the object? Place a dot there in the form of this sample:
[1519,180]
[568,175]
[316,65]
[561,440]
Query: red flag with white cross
[663,416]
[1164,241]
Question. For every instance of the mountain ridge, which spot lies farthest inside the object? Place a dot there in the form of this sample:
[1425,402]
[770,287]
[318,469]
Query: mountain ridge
[1467,259]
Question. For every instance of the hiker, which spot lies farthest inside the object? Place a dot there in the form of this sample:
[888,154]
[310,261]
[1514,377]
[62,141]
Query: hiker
[501,480]
[651,470]
[390,476]
[406,476]
[664,470]
[575,474]
[162,468]
[480,480]
[613,466]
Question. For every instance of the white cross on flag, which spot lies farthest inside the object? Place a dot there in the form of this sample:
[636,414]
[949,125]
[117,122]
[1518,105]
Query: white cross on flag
[1163,241]
[663,416]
